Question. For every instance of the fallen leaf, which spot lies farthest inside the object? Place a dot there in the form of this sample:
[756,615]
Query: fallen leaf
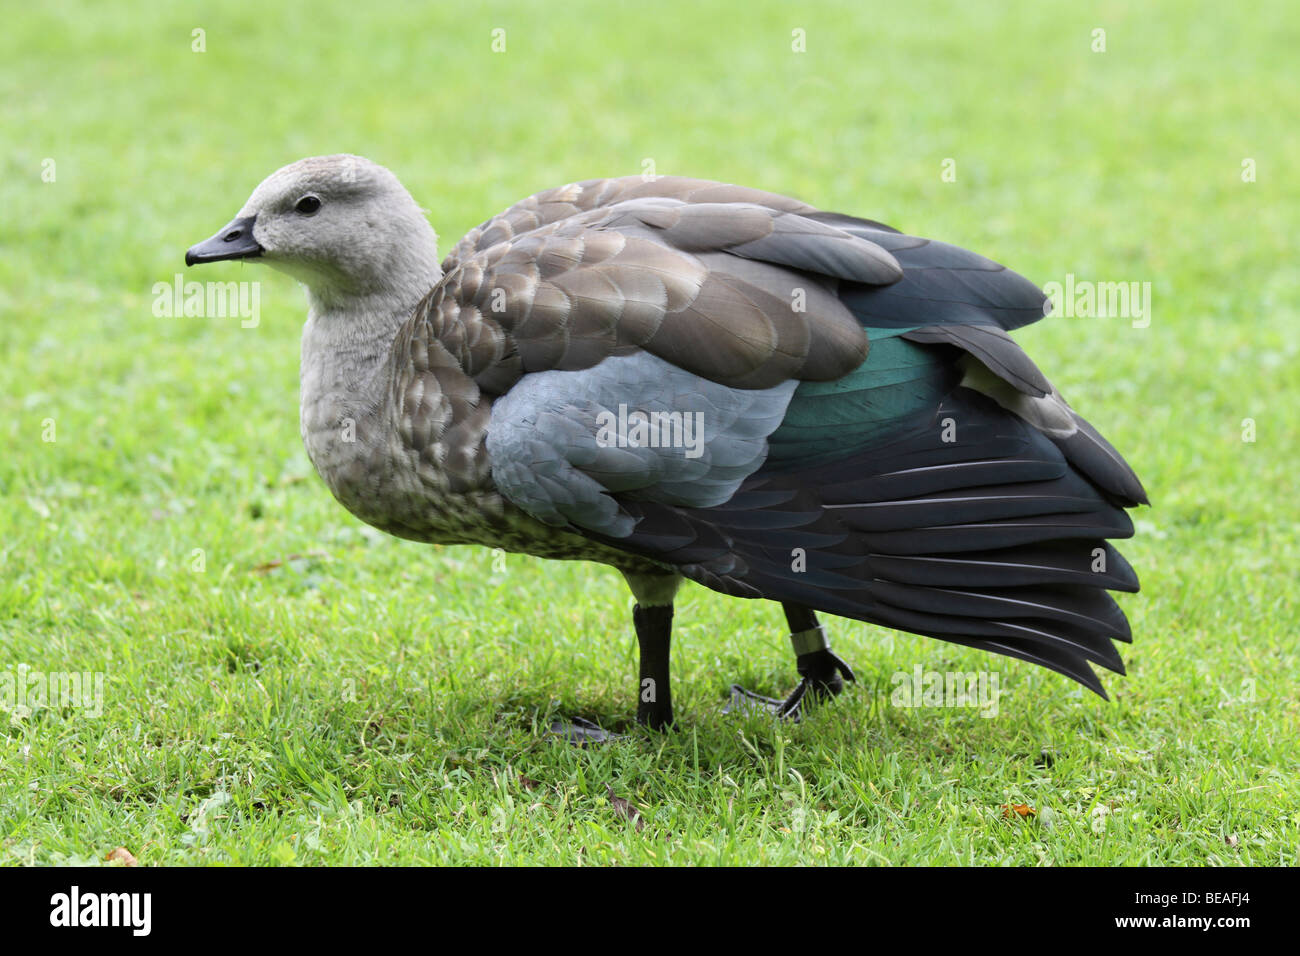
[623,807]
[1023,809]
[121,856]
[281,562]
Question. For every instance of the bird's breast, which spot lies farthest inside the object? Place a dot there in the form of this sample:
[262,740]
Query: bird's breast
[431,491]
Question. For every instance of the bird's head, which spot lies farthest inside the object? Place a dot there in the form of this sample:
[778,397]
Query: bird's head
[342,225]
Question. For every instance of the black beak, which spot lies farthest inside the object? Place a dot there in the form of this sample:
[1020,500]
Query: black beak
[234,242]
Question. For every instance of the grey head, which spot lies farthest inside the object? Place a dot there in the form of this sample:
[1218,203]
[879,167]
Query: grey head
[342,225]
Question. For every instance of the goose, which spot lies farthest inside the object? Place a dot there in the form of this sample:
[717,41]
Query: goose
[684,379]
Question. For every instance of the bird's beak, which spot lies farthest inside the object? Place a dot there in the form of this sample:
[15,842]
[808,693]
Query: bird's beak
[233,242]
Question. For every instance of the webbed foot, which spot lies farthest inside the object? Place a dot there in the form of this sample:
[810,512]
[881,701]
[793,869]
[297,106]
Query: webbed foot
[823,675]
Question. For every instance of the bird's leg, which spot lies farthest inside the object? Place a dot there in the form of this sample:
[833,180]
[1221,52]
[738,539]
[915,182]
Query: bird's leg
[822,674]
[653,617]
[654,632]
[822,671]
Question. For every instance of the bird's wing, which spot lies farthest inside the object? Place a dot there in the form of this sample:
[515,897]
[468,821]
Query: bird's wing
[956,520]
[942,284]
[570,446]
[739,293]
[950,296]
[566,201]
[937,487]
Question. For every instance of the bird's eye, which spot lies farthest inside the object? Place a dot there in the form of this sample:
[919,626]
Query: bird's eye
[307,205]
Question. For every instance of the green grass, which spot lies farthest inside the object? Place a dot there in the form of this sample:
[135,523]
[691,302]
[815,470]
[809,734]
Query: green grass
[382,702]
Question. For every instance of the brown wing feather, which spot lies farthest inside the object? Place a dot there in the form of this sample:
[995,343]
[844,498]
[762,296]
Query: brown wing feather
[561,202]
[737,291]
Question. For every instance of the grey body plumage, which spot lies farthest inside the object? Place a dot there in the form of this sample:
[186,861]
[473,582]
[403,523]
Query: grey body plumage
[549,454]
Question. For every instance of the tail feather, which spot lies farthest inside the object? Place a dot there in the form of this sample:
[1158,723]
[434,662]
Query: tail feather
[1098,459]
[1011,533]
[1094,564]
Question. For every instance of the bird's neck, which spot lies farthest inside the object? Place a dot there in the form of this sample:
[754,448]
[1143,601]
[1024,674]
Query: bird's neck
[345,385]
[381,400]
[349,333]
[344,348]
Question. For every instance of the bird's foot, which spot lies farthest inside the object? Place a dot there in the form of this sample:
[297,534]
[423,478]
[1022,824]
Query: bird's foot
[580,732]
[823,675]
[655,715]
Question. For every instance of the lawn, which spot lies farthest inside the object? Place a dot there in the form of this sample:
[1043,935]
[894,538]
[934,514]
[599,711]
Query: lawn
[283,685]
